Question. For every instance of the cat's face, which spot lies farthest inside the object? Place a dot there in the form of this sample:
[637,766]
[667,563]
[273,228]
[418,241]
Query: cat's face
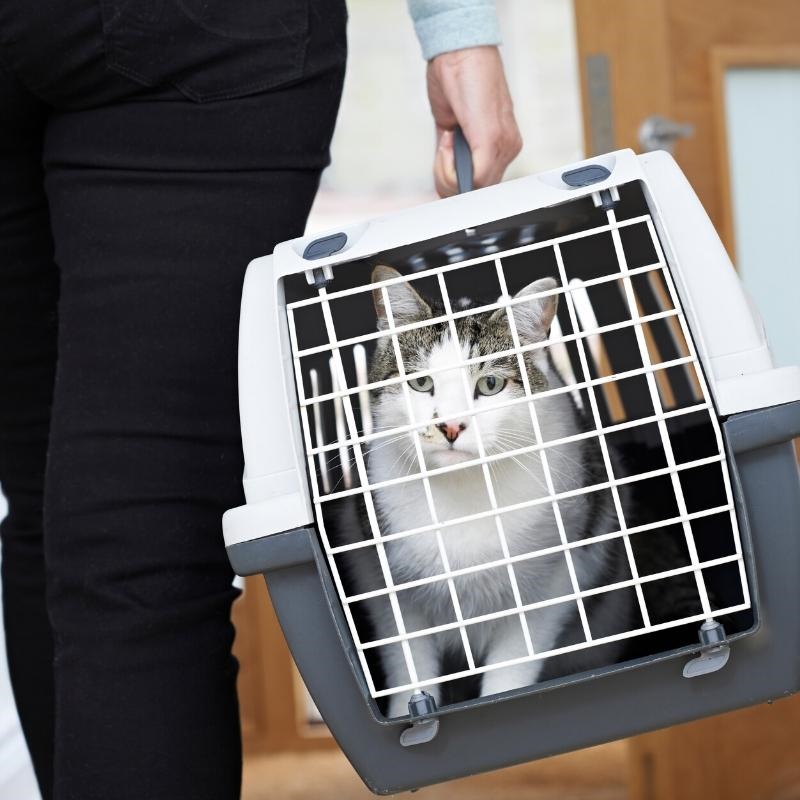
[447,394]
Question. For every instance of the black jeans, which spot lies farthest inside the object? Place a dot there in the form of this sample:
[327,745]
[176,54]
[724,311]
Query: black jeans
[148,151]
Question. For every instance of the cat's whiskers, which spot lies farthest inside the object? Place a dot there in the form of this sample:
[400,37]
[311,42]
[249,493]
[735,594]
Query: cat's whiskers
[334,461]
[503,465]
[386,442]
[409,454]
[509,439]
[401,458]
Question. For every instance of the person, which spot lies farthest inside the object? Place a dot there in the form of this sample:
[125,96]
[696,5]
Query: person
[149,149]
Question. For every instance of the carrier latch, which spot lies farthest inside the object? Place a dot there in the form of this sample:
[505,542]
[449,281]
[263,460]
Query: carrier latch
[420,730]
[319,277]
[325,246]
[585,175]
[714,652]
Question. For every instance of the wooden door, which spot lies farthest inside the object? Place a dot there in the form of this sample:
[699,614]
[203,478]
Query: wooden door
[671,57]
[667,57]
[273,703]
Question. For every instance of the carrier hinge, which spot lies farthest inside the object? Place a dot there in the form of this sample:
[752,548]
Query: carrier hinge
[423,728]
[319,277]
[714,651]
[606,198]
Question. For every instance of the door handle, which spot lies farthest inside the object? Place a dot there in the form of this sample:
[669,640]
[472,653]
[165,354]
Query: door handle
[659,133]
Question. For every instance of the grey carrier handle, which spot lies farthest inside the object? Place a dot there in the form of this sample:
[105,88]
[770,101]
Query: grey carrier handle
[463,159]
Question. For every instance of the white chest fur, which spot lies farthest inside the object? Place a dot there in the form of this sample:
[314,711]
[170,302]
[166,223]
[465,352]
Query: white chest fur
[484,538]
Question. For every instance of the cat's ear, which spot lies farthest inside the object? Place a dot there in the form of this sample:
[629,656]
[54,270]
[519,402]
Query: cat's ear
[534,318]
[405,302]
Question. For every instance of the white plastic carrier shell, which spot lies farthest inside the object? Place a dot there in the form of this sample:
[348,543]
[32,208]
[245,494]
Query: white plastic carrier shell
[727,329]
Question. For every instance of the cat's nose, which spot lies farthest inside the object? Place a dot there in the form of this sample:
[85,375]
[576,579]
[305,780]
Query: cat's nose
[451,430]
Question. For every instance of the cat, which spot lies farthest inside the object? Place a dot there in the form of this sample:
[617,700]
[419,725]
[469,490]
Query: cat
[464,491]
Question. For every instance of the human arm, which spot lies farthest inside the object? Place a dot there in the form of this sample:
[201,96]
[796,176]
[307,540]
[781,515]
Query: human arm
[466,87]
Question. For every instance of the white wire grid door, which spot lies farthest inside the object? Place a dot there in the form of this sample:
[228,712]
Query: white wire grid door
[339,433]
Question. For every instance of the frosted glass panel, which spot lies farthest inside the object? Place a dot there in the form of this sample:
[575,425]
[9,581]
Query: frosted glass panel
[763,119]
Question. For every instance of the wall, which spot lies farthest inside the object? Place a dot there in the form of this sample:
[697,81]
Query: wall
[384,144]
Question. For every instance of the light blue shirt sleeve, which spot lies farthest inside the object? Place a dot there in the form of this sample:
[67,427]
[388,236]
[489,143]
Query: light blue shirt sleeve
[445,25]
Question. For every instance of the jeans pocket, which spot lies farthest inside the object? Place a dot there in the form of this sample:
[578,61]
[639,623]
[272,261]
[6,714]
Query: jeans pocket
[207,49]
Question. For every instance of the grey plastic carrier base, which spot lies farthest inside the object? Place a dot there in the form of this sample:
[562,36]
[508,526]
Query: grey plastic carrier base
[579,711]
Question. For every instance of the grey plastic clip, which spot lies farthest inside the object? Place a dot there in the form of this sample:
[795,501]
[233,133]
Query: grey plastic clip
[714,651]
[420,730]
[325,246]
[585,176]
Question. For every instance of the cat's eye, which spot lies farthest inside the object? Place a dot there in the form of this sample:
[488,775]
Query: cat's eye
[423,384]
[490,384]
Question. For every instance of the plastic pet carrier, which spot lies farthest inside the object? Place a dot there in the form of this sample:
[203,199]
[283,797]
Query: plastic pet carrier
[519,472]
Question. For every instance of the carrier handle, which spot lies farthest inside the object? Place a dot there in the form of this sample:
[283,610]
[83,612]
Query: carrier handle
[463,159]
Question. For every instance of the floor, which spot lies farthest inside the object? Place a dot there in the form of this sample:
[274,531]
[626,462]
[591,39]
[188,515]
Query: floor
[598,773]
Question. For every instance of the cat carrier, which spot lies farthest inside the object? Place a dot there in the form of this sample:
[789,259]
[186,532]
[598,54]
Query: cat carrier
[519,472]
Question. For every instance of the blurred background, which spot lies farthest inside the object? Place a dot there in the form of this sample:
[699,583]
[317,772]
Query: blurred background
[718,84]
[383,148]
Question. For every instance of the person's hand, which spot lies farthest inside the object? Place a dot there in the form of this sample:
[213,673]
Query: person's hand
[468,88]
